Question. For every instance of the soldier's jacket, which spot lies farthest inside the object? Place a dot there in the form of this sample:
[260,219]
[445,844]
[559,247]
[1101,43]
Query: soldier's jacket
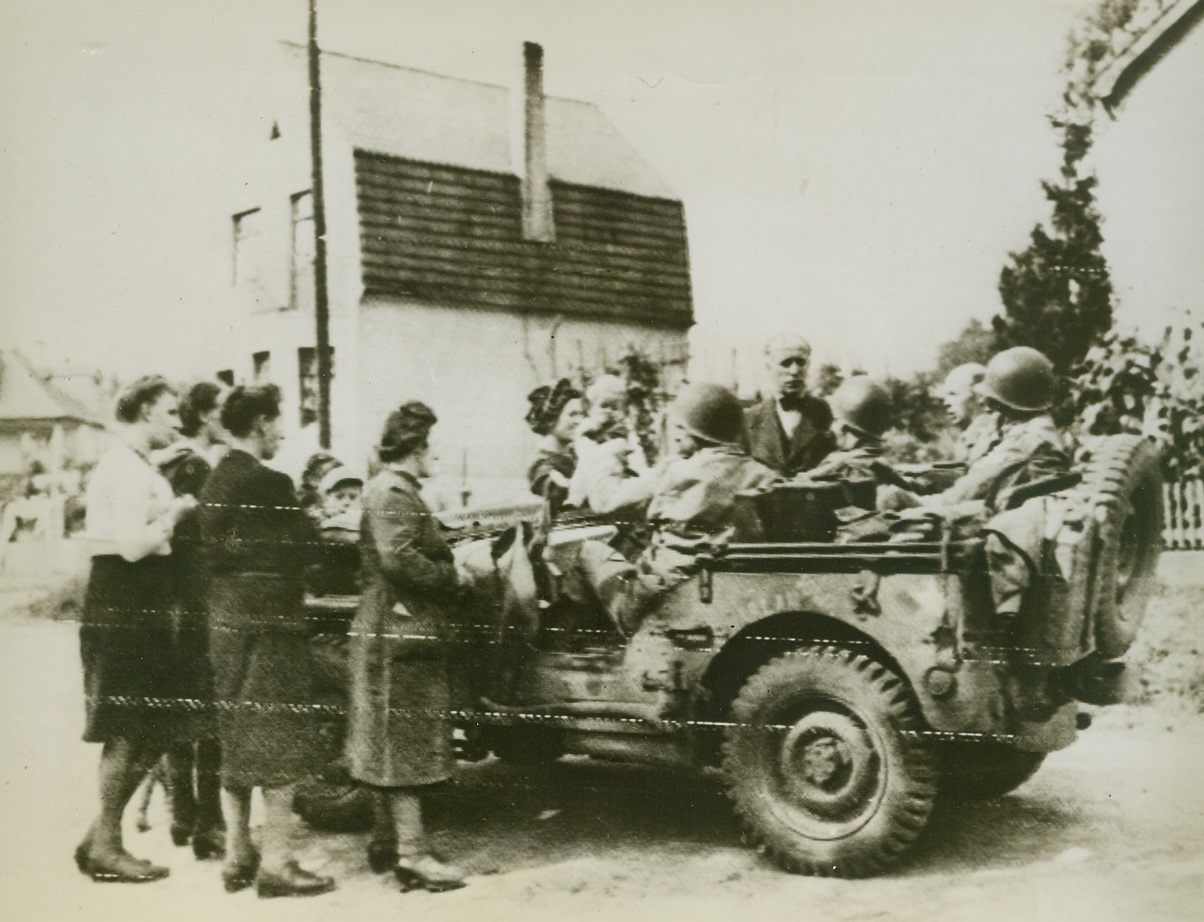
[866,471]
[687,500]
[694,495]
[1027,451]
[983,434]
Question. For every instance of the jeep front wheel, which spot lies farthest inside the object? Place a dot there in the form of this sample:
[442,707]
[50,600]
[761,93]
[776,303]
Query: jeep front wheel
[826,763]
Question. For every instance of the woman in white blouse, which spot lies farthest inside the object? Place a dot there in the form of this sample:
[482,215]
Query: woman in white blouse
[126,641]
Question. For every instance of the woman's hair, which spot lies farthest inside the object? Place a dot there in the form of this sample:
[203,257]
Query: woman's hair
[198,402]
[406,431]
[311,476]
[244,405]
[547,404]
[141,394]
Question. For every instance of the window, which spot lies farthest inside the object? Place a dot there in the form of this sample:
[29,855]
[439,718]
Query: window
[307,367]
[301,290]
[247,245]
[261,366]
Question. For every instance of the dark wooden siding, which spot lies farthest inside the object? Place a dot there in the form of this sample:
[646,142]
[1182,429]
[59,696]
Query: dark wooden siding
[454,236]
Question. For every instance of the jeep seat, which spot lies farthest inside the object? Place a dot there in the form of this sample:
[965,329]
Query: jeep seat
[791,512]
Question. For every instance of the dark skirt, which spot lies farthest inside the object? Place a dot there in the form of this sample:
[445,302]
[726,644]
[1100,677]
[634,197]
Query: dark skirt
[127,647]
[192,635]
[271,729]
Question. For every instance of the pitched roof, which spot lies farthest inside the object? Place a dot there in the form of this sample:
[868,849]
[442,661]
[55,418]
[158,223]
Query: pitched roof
[26,396]
[1167,28]
[388,109]
[452,235]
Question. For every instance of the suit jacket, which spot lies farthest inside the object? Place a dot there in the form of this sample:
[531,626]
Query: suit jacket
[812,441]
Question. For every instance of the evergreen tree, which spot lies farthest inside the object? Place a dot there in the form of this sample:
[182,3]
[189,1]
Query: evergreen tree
[1057,293]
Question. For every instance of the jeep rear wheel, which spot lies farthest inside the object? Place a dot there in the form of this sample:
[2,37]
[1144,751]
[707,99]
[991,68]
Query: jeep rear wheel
[984,769]
[1123,477]
[826,763]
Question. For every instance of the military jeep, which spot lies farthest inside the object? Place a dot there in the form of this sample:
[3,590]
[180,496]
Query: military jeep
[838,688]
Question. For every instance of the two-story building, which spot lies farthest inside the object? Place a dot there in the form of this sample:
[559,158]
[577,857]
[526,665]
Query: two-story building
[464,269]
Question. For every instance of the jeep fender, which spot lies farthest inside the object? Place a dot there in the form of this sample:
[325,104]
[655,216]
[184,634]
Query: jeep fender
[751,618]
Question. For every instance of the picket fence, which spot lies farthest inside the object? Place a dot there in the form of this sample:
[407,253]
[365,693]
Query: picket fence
[1184,515]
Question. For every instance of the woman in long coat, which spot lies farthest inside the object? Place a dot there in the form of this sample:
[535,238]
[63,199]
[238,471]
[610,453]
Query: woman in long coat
[256,542]
[399,737]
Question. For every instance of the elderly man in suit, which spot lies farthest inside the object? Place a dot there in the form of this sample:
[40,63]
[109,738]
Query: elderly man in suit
[790,431]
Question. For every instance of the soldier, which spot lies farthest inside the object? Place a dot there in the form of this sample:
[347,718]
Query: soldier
[862,414]
[978,427]
[1019,388]
[688,499]
[790,431]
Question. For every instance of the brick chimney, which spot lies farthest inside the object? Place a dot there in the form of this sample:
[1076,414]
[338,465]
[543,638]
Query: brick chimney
[537,197]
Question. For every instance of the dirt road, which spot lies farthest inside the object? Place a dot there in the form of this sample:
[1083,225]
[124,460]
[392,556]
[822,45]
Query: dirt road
[1111,829]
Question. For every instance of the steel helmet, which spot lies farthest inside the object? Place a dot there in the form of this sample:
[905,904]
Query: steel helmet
[1021,378]
[709,412]
[862,405]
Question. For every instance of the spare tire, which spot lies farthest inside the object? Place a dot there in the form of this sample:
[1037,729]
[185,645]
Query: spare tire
[1122,478]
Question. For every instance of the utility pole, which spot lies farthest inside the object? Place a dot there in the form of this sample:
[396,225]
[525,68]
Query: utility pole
[321,305]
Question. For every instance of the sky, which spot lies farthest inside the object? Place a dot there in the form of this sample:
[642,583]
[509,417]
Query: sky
[854,169]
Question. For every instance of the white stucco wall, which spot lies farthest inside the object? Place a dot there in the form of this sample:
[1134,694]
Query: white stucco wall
[277,170]
[1150,162]
[474,367]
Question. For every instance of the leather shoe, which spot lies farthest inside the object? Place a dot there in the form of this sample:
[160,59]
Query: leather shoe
[124,868]
[83,852]
[426,872]
[382,855]
[240,875]
[292,880]
[209,844]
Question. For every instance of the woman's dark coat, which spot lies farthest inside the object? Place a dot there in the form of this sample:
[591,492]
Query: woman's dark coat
[399,734]
[256,542]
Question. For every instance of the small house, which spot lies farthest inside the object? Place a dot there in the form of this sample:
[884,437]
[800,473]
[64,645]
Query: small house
[464,269]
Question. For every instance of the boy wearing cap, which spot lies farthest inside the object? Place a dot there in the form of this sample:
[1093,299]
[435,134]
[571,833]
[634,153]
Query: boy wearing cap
[340,491]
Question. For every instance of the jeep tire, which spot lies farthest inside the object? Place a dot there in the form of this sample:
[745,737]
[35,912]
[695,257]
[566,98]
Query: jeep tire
[827,763]
[1122,475]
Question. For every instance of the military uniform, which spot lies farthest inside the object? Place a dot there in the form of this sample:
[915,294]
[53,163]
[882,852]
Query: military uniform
[687,500]
[1027,451]
[977,440]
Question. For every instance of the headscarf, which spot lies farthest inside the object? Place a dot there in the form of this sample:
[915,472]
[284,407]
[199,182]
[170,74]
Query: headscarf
[407,427]
[547,404]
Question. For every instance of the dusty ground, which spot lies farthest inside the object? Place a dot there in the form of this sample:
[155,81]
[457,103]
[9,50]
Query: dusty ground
[1111,829]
